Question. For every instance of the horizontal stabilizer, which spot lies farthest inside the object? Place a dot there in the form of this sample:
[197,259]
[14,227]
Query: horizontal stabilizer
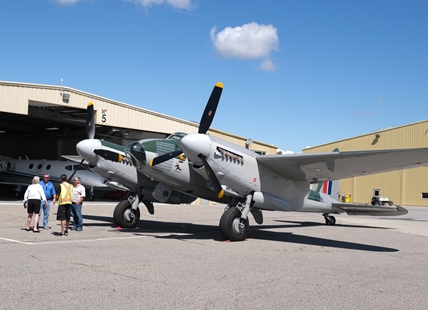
[366,209]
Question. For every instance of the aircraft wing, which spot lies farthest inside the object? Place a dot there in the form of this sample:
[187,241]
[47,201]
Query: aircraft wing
[319,167]
[365,209]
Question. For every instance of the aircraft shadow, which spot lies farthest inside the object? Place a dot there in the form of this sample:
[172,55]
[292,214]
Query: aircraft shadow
[309,224]
[189,231]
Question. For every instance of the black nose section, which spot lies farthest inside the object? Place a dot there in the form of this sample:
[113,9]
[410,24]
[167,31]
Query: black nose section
[137,152]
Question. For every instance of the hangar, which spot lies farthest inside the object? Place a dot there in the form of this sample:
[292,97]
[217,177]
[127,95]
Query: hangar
[408,187]
[45,121]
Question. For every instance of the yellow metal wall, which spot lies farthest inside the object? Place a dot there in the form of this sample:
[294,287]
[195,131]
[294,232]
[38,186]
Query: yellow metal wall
[403,187]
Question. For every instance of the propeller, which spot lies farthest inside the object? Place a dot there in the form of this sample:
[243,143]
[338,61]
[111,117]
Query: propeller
[204,124]
[212,177]
[74,172]
[160,159]
[109,155]
[90,125]
[90,132]
[210,108]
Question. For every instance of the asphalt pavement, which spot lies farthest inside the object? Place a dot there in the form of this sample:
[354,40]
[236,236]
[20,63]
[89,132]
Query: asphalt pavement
[175,259]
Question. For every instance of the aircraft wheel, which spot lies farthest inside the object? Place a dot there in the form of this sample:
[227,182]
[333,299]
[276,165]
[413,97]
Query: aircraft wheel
[230,228]
[330,220]
[124,216]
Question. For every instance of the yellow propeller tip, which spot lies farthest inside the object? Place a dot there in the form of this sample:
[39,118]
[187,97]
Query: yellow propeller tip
[220,195]
[90,103]
[119,158]
[151,162]
[219,84]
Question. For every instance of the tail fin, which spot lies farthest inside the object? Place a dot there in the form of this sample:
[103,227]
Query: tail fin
[330,188]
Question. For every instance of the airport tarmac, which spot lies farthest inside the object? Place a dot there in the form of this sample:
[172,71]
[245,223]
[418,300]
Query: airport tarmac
[175,259]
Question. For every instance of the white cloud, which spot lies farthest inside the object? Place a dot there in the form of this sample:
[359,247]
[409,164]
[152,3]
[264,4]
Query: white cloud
[177,4]
[180,4]
[267,65]
[250,41]
[279,151]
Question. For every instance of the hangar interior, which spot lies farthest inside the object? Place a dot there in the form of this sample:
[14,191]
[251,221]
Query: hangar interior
[50,131]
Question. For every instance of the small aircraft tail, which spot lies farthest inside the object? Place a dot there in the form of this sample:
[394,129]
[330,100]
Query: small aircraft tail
[330,188]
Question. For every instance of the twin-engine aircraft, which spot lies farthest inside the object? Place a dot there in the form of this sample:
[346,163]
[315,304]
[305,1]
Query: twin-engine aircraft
[220,171]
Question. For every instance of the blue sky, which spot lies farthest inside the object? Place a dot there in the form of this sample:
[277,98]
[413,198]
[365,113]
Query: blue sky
[295,73]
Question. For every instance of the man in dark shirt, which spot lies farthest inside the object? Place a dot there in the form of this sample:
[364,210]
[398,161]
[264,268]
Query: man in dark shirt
[50,194]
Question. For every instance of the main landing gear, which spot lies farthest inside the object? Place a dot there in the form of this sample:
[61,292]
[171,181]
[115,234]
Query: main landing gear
[125,216]
[234,223]
[329,219]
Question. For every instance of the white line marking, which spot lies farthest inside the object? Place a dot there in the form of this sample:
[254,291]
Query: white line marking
[64,240]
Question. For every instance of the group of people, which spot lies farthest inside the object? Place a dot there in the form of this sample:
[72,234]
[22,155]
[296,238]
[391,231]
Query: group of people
[42,193]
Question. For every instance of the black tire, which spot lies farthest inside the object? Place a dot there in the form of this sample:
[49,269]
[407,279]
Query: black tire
[124,216]
[229,228]
[330,220]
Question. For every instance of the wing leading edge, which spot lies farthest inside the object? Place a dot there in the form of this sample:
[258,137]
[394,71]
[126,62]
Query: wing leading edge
[321,167]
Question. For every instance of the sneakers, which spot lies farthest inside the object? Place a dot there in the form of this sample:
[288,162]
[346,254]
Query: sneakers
[79,229]
[66,233]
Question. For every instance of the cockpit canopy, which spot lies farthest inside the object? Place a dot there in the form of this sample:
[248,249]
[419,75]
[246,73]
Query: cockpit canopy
[177,136]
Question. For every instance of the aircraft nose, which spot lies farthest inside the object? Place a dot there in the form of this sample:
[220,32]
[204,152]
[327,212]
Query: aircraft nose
[86,148]
[195,144]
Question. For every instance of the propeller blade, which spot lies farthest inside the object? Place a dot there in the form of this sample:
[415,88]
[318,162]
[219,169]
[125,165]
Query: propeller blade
[212,177]
[90,126]
[210,108]
[74,172]
[109,155]
[160,159]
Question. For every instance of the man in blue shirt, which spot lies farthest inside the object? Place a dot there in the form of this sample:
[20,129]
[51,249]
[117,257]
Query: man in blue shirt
[50,193]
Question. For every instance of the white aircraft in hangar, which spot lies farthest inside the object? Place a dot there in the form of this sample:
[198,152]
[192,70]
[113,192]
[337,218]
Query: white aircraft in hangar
[20,172]
[220,171]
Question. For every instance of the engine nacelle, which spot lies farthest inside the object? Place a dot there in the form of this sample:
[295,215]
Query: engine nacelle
[269,202]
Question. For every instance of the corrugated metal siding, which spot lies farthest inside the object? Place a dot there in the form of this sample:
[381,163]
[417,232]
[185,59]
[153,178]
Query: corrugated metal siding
[403,187]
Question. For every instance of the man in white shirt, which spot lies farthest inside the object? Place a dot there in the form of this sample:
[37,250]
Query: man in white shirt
[34,196]
[78,197]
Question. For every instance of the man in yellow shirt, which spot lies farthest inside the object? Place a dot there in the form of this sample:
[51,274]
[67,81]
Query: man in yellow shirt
[65,194]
